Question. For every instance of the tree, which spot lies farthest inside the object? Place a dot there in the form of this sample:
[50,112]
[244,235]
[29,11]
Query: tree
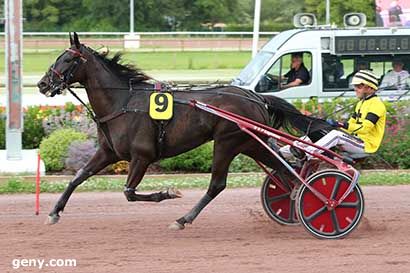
[338,8]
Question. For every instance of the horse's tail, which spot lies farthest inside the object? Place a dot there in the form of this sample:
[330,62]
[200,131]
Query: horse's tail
[285,115]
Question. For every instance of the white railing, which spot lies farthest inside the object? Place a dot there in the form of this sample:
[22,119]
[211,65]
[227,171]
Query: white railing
[148,41]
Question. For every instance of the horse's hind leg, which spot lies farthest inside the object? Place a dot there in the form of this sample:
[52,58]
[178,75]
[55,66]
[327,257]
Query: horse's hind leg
[223,156]
[99,161]
[138,168]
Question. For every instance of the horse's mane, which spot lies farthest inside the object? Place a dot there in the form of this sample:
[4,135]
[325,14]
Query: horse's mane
[125,71]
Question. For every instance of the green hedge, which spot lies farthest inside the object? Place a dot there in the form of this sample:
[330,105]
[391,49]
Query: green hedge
[200,160]
[33,127]
[196,160]
[54,148]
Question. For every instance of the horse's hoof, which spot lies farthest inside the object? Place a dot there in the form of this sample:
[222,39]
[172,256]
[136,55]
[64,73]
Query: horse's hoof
[52,219]
[174,193]
[176,226]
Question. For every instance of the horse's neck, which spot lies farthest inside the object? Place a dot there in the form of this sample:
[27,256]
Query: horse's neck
[104,90]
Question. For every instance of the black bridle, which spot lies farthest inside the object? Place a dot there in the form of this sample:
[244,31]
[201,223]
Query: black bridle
[57,87]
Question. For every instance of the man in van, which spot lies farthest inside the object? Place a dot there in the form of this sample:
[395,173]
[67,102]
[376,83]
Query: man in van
[298,74]
[396,78]
[363,132]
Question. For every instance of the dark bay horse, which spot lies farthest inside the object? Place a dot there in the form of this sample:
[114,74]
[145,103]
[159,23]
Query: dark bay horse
[132,135]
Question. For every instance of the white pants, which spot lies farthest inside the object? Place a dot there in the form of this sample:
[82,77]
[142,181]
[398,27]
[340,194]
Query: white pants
[347,142]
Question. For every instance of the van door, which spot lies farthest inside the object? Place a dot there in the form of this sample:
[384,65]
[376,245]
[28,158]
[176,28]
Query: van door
[290,76]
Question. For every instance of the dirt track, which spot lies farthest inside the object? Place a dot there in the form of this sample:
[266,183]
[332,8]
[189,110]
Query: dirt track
[104,233]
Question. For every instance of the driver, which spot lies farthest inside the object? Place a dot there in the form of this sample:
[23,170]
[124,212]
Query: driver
[298,74]
[363,132]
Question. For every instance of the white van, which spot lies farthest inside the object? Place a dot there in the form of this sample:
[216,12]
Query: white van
[331,56]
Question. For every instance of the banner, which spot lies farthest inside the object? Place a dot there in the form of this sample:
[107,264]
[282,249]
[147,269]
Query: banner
[393,13]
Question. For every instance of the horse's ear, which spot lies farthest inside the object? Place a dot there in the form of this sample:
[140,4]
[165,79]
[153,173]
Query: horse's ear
[71,39]
[76,40]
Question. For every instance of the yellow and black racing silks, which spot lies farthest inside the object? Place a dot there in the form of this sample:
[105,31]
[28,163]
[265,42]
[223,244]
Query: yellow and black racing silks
[368,122]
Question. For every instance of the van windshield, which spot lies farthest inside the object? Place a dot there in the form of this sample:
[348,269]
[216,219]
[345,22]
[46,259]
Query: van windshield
[253,68]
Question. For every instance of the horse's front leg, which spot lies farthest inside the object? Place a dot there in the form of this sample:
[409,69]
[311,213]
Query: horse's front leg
[100,160]
[137,170]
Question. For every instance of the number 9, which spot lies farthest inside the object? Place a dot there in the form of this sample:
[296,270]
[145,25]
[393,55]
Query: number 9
[161,101]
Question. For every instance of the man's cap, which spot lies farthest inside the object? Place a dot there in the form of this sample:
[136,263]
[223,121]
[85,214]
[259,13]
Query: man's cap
[366,77]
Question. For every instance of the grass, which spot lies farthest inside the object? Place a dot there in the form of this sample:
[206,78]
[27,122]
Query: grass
[17,185]
[34,63]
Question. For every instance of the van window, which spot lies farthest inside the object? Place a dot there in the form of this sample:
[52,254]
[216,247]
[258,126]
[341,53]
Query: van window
[289,70]
[338,71]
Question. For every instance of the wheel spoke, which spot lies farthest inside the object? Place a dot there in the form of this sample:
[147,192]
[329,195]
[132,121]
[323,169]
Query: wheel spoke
[316,214]
[336,187]
[278,197]
[335,221]
[292,210]
[349,204]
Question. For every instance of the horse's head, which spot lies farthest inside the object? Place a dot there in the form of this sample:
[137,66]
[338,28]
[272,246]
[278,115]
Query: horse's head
[66,70]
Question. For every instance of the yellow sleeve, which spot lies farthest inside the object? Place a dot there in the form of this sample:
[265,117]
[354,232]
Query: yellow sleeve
[350,125]
[363,128]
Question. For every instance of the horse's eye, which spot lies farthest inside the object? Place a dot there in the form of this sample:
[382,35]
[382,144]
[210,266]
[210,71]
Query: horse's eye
[67,60]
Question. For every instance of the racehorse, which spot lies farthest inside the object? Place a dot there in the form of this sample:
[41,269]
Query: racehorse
[126,131]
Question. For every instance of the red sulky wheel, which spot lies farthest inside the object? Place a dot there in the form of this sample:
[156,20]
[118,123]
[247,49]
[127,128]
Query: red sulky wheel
[314,215]
[279,204]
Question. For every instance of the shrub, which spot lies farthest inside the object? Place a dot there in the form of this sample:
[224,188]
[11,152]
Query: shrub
[200,160]
[395,148]
[53,149]
[69,117]
[78,154]
[196,160]
[40,121]
[33,127]
[243,163]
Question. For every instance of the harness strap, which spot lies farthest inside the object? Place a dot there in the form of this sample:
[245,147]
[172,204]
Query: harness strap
[112,116]
[89,111]
[94,118]
[161,138]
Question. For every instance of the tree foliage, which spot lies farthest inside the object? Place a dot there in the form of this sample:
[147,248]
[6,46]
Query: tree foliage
[166,15]
[338,8]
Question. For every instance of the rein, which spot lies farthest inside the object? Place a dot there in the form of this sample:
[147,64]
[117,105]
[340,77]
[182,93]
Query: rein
[94,118]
